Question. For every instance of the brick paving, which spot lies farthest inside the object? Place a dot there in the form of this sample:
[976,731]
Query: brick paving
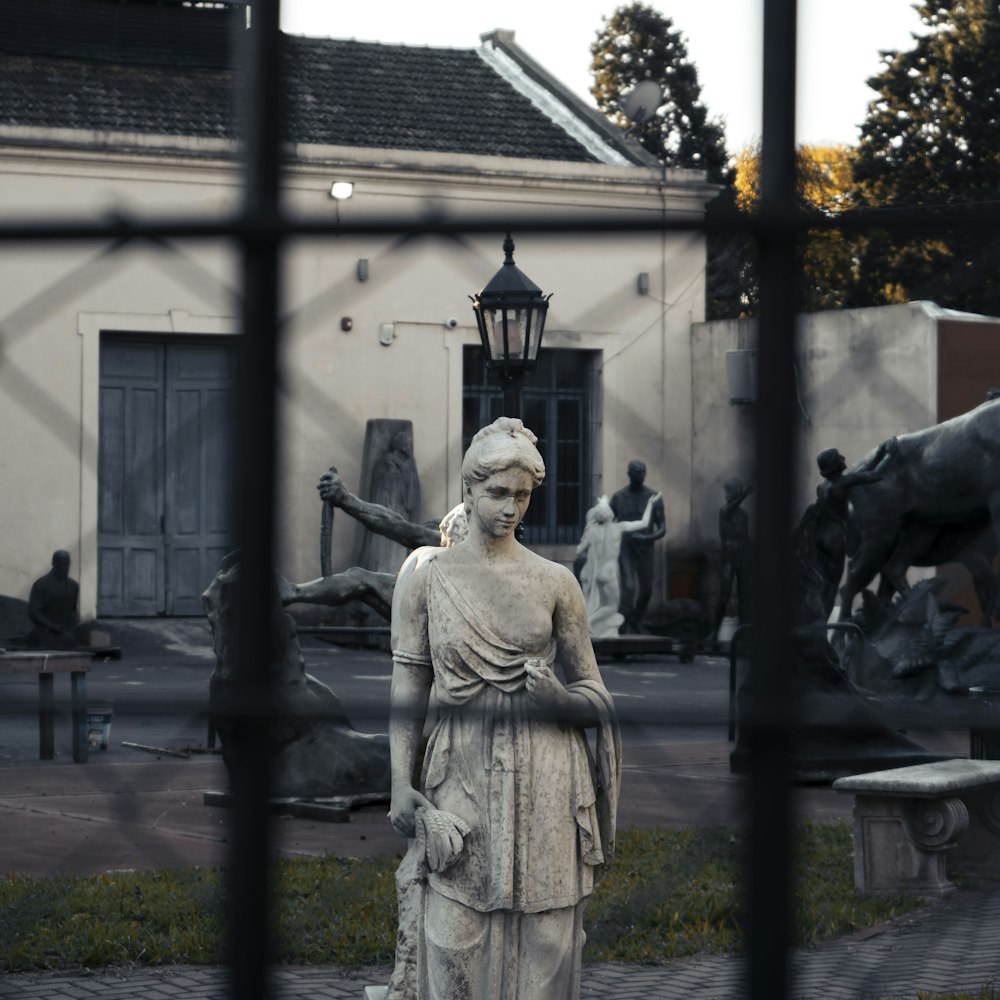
[949,947]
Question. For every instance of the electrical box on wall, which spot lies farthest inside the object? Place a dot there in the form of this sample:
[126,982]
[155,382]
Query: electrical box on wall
[741,376]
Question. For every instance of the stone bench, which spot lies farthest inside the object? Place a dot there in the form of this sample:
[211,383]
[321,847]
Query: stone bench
[913,823]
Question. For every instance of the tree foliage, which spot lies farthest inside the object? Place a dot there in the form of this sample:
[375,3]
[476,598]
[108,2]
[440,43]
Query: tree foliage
[932,138]
[638,43]
[824,189]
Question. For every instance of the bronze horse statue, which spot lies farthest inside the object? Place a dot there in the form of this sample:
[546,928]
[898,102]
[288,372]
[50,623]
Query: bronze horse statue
[937,501]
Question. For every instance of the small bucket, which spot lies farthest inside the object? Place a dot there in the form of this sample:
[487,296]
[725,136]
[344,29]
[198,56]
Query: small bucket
[99,718]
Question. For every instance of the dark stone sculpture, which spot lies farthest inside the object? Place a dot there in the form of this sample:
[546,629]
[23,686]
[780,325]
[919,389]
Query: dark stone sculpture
[734,556]
[913,652]
[315,750]
[635,558]
[376,517]
[357,583]
[354,584]
[938,495]
[53,607]
[392,483]
[820,542]
[838,730]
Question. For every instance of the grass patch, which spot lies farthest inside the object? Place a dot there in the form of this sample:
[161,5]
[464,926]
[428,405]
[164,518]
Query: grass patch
[675,892]
[670,893]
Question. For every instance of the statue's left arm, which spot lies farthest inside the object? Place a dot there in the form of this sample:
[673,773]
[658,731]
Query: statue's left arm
[576,654]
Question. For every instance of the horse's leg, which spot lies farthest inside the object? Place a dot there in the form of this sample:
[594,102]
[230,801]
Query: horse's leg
[915,541]
[861,570]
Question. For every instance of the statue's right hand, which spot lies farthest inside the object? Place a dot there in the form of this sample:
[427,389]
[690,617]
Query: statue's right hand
[403,808]
[331,487]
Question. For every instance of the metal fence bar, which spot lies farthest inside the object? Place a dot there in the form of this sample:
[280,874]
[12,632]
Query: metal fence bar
[769,889]
[250,887]
[917,220]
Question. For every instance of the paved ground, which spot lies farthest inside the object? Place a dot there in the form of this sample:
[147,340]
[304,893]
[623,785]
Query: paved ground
[131,809]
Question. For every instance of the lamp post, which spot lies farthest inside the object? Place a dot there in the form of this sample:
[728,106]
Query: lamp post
[510,313]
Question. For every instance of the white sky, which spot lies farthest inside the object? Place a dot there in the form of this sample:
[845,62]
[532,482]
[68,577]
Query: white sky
[839,44]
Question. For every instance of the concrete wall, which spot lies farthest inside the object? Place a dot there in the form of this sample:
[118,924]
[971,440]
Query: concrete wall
[57,300]
[862,376]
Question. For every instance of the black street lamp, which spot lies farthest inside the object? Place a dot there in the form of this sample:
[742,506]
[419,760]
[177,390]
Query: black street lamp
[510,313]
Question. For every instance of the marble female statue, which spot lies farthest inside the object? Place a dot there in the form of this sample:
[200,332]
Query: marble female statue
[598,552]
[511,823]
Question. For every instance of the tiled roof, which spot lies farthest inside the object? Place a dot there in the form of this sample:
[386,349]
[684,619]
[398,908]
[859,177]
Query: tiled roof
[339,92]
[403,97]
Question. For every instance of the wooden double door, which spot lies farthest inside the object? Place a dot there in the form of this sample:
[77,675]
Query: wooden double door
[164,473]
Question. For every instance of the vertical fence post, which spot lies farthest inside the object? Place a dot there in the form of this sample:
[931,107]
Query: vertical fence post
[250,916]
[768,716]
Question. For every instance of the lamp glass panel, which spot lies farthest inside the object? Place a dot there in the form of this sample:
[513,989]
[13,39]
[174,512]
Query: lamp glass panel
[516,330]
[539,329]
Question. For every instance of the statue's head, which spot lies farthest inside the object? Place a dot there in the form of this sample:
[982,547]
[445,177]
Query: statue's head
[454,526]
[402,441]
[830,462]
[636,472]
[504,444]
[601,512]
[60,563]
[733,488]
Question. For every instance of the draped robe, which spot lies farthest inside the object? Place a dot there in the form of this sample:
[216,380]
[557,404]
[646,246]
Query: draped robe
[539,805]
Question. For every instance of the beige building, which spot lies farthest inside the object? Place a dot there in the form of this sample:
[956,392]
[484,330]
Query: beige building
[116,369]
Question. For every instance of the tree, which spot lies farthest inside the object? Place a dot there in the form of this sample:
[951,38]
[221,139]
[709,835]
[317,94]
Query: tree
[931,138]
[638,43]
[824,189]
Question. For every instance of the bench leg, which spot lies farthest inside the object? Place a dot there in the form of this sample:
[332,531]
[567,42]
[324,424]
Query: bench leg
[901,845]
[78,706]
[46,716]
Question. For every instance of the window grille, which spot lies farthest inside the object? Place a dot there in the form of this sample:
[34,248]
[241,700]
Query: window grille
[260,230]
[556,403]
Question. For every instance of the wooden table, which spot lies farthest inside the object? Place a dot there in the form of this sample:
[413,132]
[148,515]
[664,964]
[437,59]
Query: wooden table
[46,664]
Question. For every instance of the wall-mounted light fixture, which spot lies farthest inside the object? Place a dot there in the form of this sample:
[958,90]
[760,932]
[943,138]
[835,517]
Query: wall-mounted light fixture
[642,283]
[386,333]
[341,191]
[362,269]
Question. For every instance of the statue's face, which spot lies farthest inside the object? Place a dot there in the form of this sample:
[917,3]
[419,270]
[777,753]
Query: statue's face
[636,473]
[60,566]
[499,502]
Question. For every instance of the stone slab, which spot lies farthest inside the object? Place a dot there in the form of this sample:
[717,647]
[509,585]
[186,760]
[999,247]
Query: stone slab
[923,780]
